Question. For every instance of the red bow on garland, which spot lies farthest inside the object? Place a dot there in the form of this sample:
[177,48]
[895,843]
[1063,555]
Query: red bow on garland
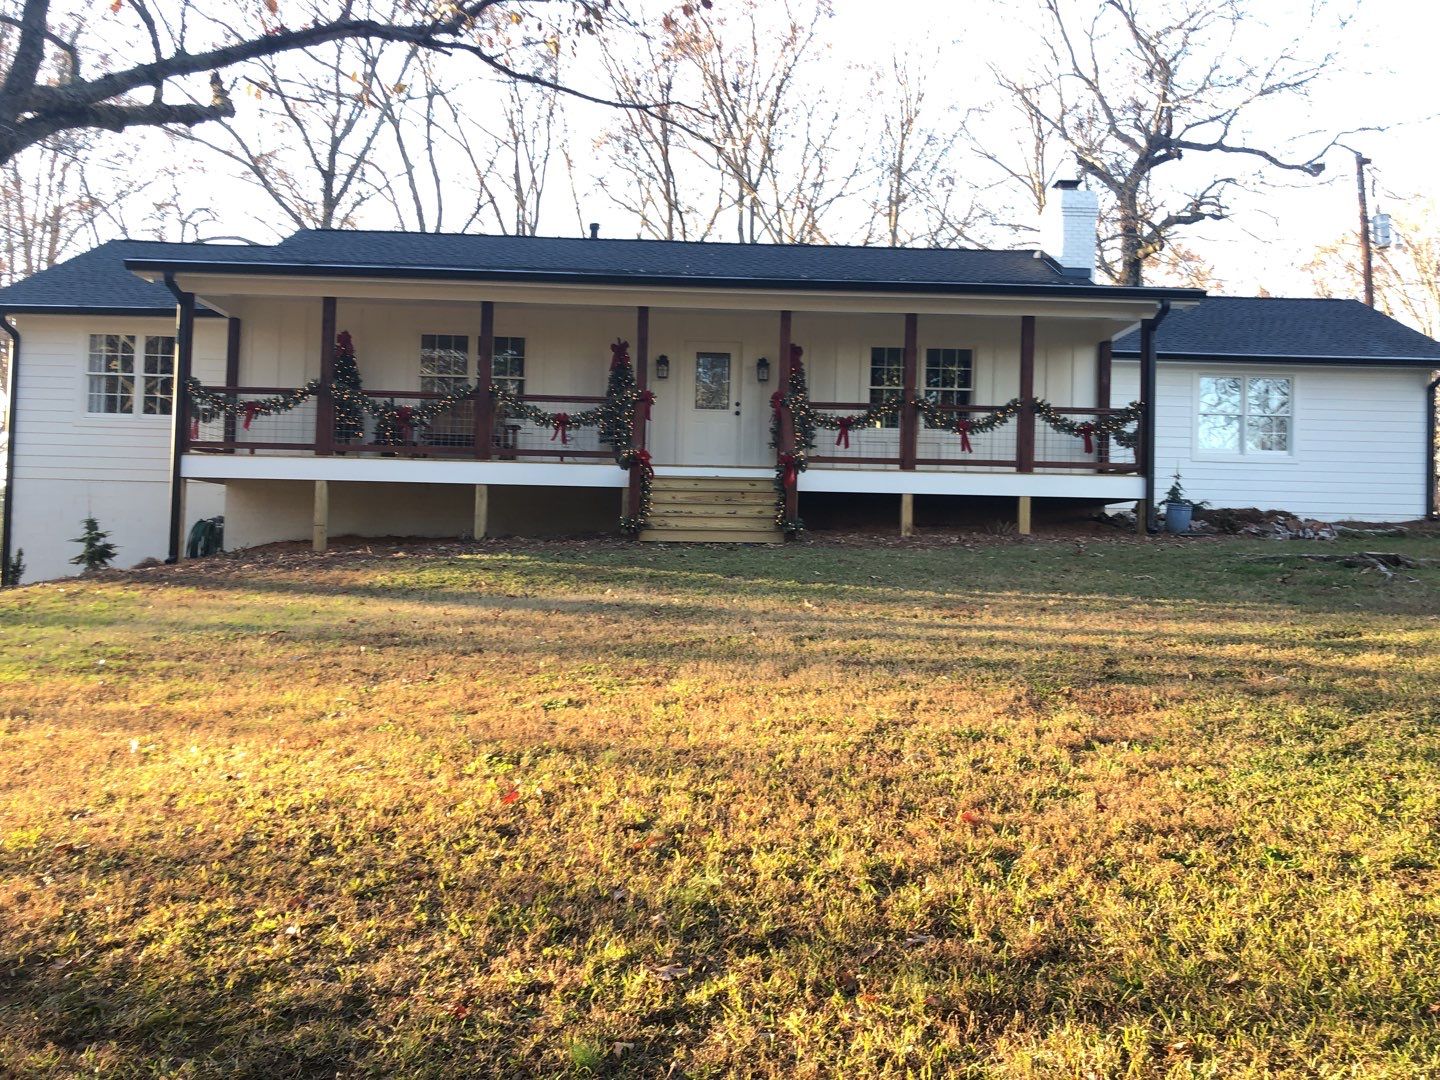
[562,427]
[962,428]
[251,408]
[843,439]
[640,459]
[402,417]
[646,399]
[777,402]
[619,354]
[789,476]
[1086,431]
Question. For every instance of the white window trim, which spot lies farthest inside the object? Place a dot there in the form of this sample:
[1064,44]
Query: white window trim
[1269,456]
[97,420]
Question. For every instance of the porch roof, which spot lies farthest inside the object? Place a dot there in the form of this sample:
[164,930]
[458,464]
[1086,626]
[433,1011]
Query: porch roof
[669,263]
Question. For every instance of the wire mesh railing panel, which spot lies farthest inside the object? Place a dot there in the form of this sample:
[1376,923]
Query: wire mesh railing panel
[251,419]
[523,436]
[1082,439]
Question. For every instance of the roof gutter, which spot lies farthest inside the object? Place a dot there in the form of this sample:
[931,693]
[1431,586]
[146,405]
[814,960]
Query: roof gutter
[1431,403]
[1147,405]
[12,412]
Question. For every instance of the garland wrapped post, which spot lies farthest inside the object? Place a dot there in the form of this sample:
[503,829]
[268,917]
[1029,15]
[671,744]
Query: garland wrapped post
[1114,426]
[789,464]
[637,461]
[346,388]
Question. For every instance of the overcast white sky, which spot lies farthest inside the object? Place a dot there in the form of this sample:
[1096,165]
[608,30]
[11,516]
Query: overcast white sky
[1386,78]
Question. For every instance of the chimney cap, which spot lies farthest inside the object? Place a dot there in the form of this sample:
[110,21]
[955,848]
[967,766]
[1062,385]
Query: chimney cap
[594,230]
[1066,185]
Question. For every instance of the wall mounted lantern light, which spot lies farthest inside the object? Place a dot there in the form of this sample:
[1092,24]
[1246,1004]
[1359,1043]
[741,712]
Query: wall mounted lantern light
[762,370]
[662,366]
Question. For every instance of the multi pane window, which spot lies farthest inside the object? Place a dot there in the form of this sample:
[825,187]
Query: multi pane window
[444,362]
[949,376]
[1246,414]
[114,386]
[157,384]
[887,378]
[509,364]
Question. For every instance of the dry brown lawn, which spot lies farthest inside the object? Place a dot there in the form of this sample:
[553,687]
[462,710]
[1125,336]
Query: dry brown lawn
[1010,809]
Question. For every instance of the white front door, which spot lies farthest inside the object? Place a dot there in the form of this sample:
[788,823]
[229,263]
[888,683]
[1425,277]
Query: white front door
[710,408]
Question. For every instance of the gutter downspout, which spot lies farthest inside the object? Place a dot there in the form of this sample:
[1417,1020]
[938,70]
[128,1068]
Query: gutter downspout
[12,412]
[1432,400]
[1147,405]
[179,407]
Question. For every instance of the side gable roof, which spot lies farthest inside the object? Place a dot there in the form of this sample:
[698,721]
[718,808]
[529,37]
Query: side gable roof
[1238,328]
[97,282]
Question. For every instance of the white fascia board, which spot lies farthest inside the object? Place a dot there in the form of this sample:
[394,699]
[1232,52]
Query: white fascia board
[1040,485]
[401,471]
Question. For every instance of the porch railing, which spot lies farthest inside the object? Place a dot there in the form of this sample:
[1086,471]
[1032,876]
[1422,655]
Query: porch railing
[396,423]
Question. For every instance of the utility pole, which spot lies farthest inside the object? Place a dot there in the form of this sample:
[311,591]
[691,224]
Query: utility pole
[1366,258]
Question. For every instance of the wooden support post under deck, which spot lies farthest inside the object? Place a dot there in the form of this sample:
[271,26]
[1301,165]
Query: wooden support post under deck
[484,378]
[325,402]
[910,377]
[232,370]
[787,420]
[907,514]
[1025,422]
[1145,445]
[180,415]
[1023,516]
[482,512]
[320,524]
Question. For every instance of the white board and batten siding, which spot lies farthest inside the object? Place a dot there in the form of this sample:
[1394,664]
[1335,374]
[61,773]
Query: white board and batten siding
[1358,441]
[71,464]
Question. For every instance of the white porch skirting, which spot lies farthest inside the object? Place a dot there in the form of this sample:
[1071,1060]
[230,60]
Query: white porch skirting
[605,474]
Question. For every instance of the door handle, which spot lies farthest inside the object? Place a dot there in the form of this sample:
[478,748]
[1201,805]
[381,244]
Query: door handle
[737,408]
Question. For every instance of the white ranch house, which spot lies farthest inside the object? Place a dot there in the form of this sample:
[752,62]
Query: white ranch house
[485,366]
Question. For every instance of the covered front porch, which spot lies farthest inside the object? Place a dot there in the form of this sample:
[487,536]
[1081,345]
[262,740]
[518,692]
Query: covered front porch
[979,397]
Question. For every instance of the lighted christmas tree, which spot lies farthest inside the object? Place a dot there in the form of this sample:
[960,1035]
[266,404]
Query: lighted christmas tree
[617,412]
[348,390]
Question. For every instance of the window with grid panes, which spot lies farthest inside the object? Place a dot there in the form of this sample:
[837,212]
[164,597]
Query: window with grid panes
[444,368]
[1245,414]
[509,364]
[949,376]
[887,378]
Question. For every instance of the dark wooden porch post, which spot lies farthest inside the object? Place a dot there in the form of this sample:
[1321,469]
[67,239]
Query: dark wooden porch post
[325,403]
[787,420]
[909,409]
[232,370]
[1025,429]
[1145,445]
[180,414]
[642,379]
[1104,365]
[484,378]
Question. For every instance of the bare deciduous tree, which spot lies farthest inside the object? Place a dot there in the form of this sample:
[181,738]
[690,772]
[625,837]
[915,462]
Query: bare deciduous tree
[1407,274]
[1130,89]
[68,73]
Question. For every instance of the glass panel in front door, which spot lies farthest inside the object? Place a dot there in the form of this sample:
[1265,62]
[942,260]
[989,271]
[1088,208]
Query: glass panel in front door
[712,380]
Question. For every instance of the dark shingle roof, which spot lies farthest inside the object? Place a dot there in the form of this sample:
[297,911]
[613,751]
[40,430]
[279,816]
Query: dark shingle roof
[1243,328]
[98,280]
[102,279]
[663,258]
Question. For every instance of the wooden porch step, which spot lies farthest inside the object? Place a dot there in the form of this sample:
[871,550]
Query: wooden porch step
[688,507]
[712,536]
[711,483]
[744,497]
[703,520]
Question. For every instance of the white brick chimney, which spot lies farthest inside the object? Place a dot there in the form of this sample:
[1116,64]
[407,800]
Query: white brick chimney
[1068,227]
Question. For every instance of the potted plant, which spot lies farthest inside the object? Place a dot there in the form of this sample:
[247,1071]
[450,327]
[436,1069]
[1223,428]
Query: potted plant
[1179,508]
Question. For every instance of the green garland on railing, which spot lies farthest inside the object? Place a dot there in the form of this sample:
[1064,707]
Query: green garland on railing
[1112,426]
[206,404]
[965,424]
